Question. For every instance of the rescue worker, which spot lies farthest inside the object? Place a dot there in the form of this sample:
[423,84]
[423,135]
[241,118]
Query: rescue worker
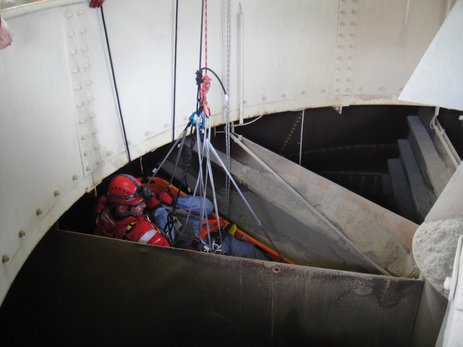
[120,214]
[132,212]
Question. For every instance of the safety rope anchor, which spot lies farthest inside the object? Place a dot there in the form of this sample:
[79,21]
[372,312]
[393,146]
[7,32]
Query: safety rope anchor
[198,120]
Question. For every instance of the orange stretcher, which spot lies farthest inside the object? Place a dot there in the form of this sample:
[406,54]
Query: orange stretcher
[158,185]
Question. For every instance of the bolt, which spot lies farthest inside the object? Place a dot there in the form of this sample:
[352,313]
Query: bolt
[38,211]
[21,233]
[56,193]
[5,259]
[74,177]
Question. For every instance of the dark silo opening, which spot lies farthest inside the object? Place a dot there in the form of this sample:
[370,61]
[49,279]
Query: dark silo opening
[357,148]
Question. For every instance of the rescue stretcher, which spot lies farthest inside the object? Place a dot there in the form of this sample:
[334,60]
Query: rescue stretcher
[158,185]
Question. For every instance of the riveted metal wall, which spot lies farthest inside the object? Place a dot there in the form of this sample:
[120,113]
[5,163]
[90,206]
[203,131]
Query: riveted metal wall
[60,130]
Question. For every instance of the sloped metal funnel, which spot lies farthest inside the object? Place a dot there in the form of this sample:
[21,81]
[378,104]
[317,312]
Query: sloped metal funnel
[78,289]
[315,221]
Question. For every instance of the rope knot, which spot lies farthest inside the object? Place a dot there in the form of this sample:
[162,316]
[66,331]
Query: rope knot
[205,85]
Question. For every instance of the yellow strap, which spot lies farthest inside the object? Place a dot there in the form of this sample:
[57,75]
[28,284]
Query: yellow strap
[232,230]
[131,225]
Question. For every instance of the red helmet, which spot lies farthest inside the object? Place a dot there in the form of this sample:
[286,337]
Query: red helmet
[125,190]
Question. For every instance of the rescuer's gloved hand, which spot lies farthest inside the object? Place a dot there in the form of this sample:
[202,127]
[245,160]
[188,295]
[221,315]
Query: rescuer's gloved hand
[100,205]
[166,198]
[152,202]
[96,3]
[6,38]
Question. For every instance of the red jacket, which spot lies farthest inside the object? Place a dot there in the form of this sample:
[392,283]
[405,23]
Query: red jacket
[137,229]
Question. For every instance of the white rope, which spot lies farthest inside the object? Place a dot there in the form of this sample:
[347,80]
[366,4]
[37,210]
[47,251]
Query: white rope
[227,105]
[156,170]
[211,177]
[213,151]
[201,181]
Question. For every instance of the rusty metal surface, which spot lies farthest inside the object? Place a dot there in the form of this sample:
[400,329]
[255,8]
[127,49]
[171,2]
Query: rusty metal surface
[83,289]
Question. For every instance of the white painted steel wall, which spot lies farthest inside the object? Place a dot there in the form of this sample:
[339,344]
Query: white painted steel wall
[439,76]
[60,131]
